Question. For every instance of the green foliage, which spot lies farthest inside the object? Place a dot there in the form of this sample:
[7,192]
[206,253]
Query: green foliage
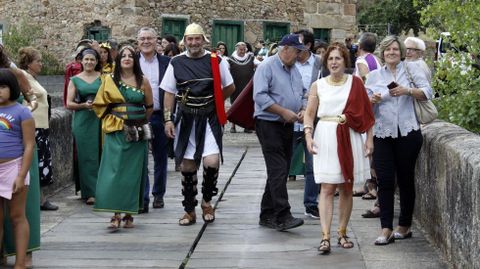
[456,81]
[19,36]
[400,15]
[24,35]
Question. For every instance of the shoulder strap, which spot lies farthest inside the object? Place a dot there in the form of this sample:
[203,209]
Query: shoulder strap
[409,76]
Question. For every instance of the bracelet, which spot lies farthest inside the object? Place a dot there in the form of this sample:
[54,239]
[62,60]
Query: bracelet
[305,131]
[167,115]
[307,126]
[148,106]
[410,91]
[31,97]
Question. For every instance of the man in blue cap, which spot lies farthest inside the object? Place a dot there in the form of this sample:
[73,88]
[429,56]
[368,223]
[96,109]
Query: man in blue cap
[279,102]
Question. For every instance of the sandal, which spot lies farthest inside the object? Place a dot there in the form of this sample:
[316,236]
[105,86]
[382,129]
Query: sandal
[343,239]
[324,246]
[128,219]
[191,218]
[369,196]
[208,210]
[90,201]
[115,222]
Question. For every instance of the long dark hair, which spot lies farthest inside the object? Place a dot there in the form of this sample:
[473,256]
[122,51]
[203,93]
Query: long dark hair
[7,78]
[109,53]
[137,70]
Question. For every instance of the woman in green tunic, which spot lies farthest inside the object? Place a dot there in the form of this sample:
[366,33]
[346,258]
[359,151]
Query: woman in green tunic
[85,125]
[124,102]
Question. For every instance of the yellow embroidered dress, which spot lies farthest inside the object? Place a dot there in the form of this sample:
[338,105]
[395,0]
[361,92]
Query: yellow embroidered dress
[123,167]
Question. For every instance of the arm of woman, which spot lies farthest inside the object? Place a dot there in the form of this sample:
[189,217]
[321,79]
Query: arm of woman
[309,116]
[147,90]
[71,93]
[28,133]
[368,147]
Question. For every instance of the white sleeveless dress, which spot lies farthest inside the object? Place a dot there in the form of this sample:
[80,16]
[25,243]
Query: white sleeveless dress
[326,165]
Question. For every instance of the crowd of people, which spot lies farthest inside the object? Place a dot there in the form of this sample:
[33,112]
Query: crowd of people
[349,111]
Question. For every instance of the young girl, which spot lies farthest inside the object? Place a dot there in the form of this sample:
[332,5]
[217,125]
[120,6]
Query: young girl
[17,140]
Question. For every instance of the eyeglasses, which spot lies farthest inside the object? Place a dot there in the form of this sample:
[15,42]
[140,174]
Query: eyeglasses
[413,49]
[149,38]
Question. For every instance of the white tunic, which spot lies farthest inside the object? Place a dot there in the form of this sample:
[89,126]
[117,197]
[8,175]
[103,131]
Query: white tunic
[326,165]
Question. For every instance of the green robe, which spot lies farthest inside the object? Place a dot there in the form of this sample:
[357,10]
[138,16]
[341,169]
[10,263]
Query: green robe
[86,130]
[123,167]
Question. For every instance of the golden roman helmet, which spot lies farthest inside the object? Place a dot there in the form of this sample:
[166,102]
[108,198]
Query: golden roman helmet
[195,29]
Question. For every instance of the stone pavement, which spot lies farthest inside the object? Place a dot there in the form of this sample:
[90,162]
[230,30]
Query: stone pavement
[77,237]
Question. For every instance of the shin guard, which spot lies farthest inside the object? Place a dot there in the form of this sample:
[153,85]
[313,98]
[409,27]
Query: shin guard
[189,190]
[209,185]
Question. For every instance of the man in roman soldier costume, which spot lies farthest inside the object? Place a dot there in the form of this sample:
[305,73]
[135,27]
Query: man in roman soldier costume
[199,81]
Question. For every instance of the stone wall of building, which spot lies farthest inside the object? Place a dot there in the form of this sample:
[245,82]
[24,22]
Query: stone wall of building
[64,22]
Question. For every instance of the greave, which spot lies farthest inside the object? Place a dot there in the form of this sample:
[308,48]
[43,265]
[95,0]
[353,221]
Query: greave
[189,191]
[209,185]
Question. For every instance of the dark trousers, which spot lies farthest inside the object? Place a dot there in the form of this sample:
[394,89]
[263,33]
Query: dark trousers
[311,189]
[276,141]
[160,158]
[396,157]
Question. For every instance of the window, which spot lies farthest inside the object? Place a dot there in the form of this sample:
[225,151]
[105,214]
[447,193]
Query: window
[174,27]
[97,31]
[322,34]
[230,32]
[274,31]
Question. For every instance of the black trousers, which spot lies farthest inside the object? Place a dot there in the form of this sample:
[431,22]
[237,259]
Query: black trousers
[276,141]
[396,158]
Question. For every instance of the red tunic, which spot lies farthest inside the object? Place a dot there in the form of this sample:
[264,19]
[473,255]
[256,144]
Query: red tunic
[72,69]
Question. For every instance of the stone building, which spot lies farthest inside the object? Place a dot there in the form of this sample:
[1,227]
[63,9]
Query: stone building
[64,23]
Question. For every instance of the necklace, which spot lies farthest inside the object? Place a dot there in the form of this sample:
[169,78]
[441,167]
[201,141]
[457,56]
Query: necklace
[337,83]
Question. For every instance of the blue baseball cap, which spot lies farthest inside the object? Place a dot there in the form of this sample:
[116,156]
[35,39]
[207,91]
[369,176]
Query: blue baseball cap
[293,40]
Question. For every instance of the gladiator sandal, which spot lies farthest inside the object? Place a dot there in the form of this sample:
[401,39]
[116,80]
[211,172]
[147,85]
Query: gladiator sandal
[115,221]
[189,192]
[325,244]
[128,219]
[343,238]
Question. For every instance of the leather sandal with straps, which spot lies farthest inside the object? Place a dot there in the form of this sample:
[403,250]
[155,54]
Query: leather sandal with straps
[343,239]
[115,222]
[128,219]
[188,219]
[324,246]
[208,210]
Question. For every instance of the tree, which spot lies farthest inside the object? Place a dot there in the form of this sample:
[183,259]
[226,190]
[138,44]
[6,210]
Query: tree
[455,80]
[399,15]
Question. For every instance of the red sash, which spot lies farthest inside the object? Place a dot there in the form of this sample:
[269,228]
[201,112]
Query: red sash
[217,90]
[359,114]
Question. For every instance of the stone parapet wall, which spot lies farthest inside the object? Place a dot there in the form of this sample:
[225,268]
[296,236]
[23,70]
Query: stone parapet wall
[448,191]
[61,143]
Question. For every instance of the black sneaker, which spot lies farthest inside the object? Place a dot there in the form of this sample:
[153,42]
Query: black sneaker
[289,223]
[158,203]
[312,212]
[268,223]
[143,210]
[47,206]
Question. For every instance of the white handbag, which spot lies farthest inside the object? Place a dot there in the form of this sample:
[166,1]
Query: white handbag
[425,110]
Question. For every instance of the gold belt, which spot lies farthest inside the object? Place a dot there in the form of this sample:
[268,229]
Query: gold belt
[340,119]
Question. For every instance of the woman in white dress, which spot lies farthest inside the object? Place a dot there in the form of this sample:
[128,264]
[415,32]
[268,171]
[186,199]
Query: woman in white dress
[340,156]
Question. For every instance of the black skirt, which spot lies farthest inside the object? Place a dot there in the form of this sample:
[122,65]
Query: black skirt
[44,156]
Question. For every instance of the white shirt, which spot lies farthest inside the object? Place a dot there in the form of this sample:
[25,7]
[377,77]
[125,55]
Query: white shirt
[150,70]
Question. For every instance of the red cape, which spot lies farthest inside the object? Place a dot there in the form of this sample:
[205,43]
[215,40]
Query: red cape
[359,114]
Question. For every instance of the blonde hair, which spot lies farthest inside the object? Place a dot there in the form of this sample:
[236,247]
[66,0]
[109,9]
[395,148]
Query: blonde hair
[386,42]
[26,56]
